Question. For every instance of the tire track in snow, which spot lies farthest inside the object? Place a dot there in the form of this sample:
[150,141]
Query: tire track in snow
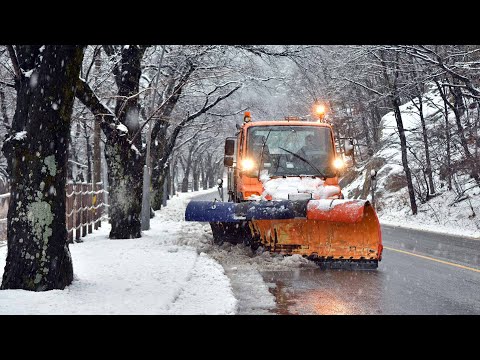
[199,279]
[183,285]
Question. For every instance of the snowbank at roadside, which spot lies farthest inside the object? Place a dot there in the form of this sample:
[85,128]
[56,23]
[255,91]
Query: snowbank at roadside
[150,275]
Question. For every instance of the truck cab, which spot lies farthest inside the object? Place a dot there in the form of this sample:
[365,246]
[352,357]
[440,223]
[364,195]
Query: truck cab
[280,149]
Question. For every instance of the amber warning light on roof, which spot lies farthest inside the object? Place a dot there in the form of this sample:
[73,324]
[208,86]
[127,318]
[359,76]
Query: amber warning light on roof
[320,110]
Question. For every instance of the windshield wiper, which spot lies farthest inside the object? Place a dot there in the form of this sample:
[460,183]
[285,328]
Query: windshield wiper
[305,160]
[261,156]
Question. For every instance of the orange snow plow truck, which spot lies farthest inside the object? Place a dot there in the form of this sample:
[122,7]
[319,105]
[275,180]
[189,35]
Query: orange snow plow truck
[283,194]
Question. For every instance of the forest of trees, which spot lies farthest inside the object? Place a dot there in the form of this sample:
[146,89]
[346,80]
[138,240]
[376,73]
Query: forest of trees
[87,113]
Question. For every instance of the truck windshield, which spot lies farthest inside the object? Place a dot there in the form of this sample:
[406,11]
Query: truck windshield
[291,150]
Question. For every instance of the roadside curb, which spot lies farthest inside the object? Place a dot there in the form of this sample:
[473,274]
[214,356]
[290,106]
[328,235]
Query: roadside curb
[440,232]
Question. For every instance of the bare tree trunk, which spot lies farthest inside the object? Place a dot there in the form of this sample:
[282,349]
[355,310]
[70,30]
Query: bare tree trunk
[163,149]
[186,173]
[97,155]
[447,134]
[208,170]
[69,166]
[3,107]
[403,144]
[211,181]
[367,136]
[204,175]
[362,111]
[196,175]
[185,183]
[337,134]
[428,169]
[220,170]
[158,186]
[74,153]
[124,161]
[124,175]
[458,110]
[169,183]
[126,166]
[395,98]
[448,150]
[377,118]
[173,176]
[475,131]
[89,152]
[38,257]
[160,156]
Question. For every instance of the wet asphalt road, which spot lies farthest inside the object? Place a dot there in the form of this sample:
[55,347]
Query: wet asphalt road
[421,273]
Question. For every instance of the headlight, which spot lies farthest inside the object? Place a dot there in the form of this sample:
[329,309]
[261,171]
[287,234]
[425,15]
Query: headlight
[338,163]
[248,164]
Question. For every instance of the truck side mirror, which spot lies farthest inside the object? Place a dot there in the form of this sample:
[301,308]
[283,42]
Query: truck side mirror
[229,147]
[348,145]
[228,161]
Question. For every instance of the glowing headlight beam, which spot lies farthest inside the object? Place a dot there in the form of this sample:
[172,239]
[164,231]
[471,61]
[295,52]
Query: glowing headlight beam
[338,163]
[248,164]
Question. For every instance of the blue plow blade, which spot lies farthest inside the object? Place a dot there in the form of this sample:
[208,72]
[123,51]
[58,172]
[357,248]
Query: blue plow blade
[209,211]
[269,210]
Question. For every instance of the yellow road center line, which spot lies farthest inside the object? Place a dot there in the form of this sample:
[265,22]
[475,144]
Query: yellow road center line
[433,259]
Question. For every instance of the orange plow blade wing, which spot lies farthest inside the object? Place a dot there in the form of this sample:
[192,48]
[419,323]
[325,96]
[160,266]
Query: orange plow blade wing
[332,229]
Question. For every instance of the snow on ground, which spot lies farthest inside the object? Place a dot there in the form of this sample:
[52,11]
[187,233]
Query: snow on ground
[173,269]
[436,216]
[150,275]
[442,214]
[432,105]
[242,266]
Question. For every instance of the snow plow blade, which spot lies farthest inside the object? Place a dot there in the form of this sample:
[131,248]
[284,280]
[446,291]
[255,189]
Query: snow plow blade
[211,211]
[327,231]
[346,211]
[333,231]
[214,211]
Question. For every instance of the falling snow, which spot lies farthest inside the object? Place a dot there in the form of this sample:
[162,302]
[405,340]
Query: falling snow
[20,135]
[122,128]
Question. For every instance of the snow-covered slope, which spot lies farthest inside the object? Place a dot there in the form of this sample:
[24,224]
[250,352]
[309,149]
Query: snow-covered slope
[448,211]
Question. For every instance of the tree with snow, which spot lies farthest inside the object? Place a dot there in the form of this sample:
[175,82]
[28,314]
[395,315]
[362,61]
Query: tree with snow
[36,148]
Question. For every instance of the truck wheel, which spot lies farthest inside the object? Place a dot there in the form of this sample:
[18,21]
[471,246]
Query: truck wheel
[255,243]
[217,232]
